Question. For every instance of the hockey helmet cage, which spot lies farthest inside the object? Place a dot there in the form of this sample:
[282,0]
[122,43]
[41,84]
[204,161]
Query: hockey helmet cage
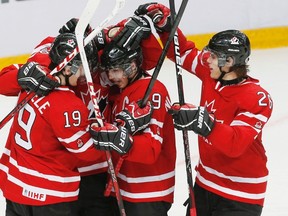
[230,43]
[65,43]
[114,56]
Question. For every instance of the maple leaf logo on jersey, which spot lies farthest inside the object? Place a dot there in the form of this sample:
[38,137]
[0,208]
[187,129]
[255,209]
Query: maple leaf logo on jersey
[211,109]
[102,102]
[258,125]
[210,106]
[80,143]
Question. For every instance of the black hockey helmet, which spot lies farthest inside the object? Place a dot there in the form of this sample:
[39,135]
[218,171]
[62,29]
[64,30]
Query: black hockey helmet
[230,43]
[116,56]
[65,43]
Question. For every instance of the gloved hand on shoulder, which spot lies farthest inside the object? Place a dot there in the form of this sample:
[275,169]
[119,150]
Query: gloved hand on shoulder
[33,77]
[136,28]
[159,14]
[190,117]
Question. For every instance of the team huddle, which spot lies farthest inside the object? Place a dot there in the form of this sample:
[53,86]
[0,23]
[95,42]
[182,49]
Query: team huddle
[55,163]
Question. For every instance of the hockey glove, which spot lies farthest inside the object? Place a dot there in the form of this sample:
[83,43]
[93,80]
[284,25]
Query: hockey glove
[135,118]
[159,14]
[135,30]
[33,77]
[100,39]
[190,117]
[111,137]
[70,27]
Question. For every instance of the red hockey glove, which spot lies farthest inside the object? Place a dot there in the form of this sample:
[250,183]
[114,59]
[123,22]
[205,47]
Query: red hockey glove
[193,118]
[159,14]
[33,77]
[135,118]
[128,33]
[111,137]
[135,29]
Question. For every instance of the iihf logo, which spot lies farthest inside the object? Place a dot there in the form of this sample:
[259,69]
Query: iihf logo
[235,40]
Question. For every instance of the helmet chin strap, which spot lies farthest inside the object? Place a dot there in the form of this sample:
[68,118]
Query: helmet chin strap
[229,82]
[220,78]
[224,60]
[66,77]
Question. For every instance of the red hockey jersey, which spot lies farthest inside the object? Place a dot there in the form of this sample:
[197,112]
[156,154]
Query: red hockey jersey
[9,87]
[148,171]
[45,142]
[232,158]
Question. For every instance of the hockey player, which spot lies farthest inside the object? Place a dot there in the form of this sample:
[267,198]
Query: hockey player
[232,173]
[147,176]
[39,174]
[93,174]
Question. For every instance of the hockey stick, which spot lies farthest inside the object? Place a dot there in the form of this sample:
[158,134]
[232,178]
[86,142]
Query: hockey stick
[178,68]
[79,31]
[68,58]
[154,77]
[164,52]
[110,182]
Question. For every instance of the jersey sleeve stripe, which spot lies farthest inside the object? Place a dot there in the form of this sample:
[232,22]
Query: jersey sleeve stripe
[155,136]
[257,116]
[84,147]
[242,123]
[74,137]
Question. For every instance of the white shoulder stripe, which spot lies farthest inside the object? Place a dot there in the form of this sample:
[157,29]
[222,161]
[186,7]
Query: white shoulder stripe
[195,63]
